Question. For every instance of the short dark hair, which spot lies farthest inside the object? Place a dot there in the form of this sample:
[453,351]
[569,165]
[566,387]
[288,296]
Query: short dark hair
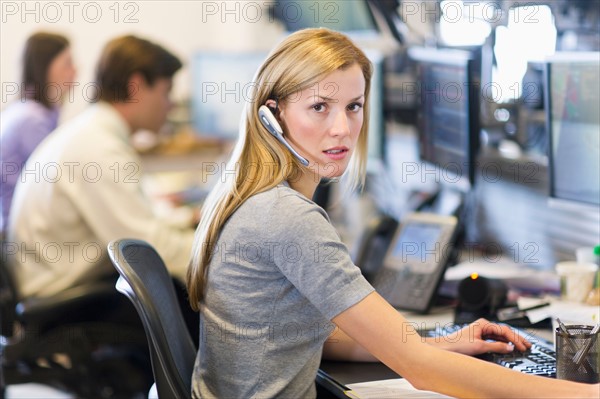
[40,50]
[126,55]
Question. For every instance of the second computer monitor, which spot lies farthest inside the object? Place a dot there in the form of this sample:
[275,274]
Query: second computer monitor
[221,84]
[353,17]
[448,113]
[573,123]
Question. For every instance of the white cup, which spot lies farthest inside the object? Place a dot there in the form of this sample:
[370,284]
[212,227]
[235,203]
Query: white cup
[576,280]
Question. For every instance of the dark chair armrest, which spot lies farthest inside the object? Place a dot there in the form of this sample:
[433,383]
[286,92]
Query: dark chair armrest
[39,311]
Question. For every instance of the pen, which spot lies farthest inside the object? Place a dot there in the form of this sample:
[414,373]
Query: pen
[582,352]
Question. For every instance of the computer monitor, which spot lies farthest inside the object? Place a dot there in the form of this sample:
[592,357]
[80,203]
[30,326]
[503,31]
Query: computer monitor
[350,16]
[221,84]
[377,137]
[448,113]
[572,107]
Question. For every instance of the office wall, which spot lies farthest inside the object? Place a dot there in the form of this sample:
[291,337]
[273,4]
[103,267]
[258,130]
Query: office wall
[182,26]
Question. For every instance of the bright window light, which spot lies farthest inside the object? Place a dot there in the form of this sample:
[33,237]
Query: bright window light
[529,36]
[464,25]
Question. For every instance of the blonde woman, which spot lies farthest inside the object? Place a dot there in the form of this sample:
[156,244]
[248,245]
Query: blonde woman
[269,273]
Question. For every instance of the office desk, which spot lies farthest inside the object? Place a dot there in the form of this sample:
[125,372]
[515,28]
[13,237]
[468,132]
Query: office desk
[178,176]
[351,372]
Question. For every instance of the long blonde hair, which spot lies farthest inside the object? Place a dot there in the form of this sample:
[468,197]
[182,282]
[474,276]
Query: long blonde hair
[259,162]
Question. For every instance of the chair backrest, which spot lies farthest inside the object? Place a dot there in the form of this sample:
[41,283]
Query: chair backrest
[145,280]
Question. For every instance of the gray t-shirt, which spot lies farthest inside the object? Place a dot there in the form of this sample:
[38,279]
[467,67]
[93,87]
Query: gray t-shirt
[278,275]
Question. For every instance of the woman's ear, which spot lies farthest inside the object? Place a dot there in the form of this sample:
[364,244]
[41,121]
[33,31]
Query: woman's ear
[272,104]
[275,108]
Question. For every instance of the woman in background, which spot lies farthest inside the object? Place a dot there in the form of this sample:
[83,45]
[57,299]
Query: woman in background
[47,75]
[269,274]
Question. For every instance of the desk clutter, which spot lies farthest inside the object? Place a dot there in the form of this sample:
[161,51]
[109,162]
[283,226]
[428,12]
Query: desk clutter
[517,295]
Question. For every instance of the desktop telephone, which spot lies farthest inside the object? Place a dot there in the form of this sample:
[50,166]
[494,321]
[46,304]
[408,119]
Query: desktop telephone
[406,263]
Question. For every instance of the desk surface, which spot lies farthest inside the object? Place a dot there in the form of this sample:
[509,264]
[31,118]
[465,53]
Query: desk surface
[352,372]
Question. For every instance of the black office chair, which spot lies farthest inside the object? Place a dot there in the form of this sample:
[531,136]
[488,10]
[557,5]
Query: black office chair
[66,341]
[145,281]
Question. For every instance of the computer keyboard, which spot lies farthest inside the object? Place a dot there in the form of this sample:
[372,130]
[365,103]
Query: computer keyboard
[540,359]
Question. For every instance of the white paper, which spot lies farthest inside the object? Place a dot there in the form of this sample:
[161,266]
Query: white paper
[390,389]
[568,312]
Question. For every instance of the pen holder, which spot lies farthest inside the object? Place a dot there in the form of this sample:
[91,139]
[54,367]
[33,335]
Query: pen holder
[578,354]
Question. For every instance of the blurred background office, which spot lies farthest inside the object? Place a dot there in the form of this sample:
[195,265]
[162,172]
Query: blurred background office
[506,44]
[486,110]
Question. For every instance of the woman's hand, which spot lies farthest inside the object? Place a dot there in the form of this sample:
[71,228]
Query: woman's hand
[480,337]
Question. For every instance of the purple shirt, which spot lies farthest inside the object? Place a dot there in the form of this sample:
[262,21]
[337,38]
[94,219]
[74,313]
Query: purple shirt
[23,125]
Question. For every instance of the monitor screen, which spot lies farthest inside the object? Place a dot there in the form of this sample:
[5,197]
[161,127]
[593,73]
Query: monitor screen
[418,245]
[573,121]
[448,112]
[221,84]
[340,15]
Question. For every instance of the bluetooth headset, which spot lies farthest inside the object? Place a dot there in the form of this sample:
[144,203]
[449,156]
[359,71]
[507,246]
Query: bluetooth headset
[267,118]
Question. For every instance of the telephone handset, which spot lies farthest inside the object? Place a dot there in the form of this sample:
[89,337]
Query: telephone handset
[374,244]
[267,118]
[408,269]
